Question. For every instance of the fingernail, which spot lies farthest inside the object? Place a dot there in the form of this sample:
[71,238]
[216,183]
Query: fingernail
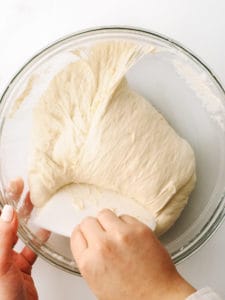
[7,213]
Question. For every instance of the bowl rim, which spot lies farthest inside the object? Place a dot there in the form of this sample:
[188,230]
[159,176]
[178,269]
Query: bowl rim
[219,213]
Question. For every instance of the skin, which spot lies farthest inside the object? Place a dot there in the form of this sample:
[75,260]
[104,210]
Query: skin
[15,268]
[16,282]
[121,259]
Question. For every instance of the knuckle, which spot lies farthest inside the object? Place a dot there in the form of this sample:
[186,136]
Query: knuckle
[142,230]
[75,232]
[104,212]
[85,222]
[124,216]
[104,248]
[84,266]
[124,237]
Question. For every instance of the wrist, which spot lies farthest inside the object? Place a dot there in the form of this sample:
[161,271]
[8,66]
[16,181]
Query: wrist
[180,289]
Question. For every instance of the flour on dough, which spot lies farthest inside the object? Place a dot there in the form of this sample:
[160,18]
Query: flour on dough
[90,127]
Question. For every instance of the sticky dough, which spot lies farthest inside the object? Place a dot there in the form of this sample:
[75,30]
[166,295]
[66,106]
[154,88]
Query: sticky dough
[90,127]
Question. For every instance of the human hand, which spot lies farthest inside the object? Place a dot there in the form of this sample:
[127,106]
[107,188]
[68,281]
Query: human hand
[121,259]
[15,268]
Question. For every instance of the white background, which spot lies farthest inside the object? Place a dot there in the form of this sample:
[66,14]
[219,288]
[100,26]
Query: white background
[26,26]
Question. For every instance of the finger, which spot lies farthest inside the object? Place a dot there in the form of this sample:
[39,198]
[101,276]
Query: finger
[15,241]
[78,243]
[91,229]
[43,235]
[8,230]
[129,220]
[109,221]
[15,189]
[23,265]
[29,255]
[26,207]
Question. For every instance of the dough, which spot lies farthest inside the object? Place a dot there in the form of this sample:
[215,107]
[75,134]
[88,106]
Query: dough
[91,127]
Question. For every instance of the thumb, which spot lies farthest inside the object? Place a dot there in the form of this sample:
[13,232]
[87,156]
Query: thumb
[8,231]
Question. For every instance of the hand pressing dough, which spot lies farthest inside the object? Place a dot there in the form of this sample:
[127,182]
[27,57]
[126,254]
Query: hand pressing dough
[90,127]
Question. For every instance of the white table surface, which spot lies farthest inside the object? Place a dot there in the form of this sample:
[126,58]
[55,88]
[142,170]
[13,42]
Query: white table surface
[26,26]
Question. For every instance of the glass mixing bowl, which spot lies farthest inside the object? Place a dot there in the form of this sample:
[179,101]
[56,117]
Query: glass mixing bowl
[177,83]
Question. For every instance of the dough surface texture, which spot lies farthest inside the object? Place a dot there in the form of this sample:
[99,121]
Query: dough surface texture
[90,127]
